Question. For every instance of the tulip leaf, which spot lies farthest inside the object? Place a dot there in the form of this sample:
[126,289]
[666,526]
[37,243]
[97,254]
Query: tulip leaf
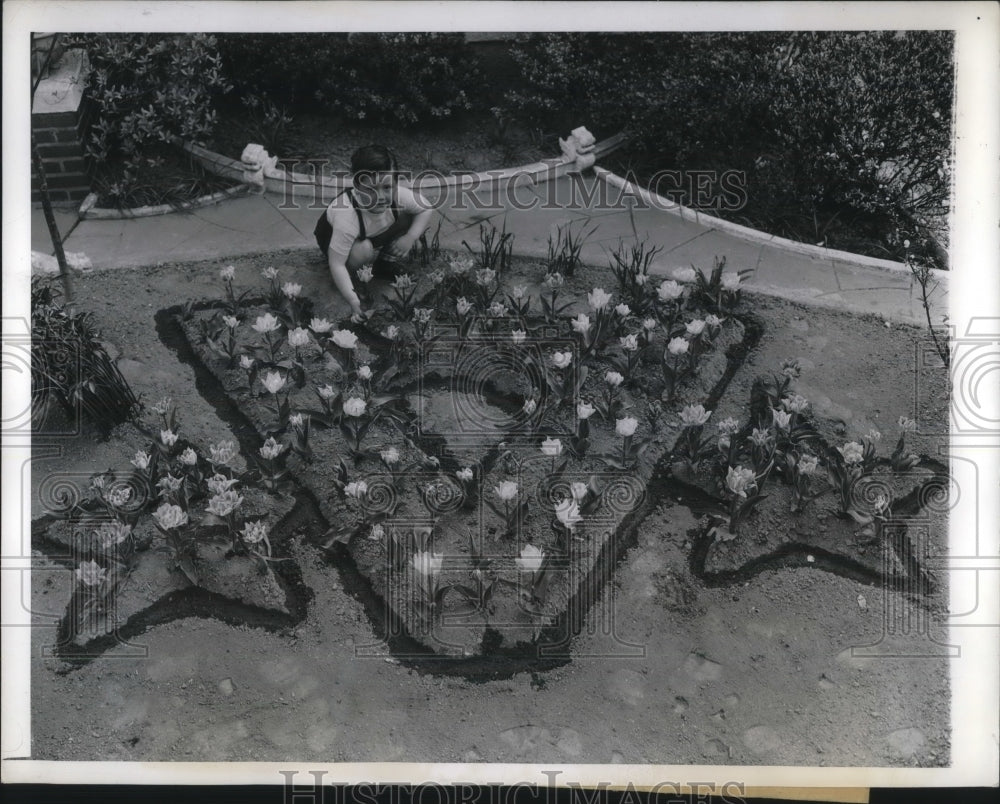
[496,510]
[211,520]
[861,519]
[186,565]
[341,535]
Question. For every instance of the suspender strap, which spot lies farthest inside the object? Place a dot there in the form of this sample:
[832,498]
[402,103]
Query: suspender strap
[362,232]
[357,211]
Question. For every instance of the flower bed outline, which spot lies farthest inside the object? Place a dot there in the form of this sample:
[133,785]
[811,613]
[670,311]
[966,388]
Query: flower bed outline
[554,644]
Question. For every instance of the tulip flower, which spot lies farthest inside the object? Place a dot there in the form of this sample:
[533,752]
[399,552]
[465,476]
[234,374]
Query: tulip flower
[355,406]
[669,291]
[273,381]
[254,532]
[598,299]
[694,415]
[581,323]
[224,503]
[220,483]
[531,559]
[852,451]
[90,573]
[170,517]
[695,327]
[739,480]
[298,337]
[568,514]
[265,323]
[562,360]
[678,346]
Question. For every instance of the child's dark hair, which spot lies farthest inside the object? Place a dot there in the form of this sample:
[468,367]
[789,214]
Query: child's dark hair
[373,159]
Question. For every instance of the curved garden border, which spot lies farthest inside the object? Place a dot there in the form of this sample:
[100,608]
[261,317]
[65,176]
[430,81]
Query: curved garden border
[753,235]
[88,210]
[276,179]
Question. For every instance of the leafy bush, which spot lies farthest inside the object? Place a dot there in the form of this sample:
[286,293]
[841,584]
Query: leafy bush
[161,175]
[402,78]
[844,138]
[286,66]
[71,367]
[149,88]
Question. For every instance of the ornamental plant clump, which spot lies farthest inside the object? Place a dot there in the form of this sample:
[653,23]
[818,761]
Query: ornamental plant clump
[565,249]
[719,290]
[495,249]
[70,366]
[513,509]
[630,266]
[743,490]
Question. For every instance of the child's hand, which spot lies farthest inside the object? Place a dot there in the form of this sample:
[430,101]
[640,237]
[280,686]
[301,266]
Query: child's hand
[360,316]
[400,247]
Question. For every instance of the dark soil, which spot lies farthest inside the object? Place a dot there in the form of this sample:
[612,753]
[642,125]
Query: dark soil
[472,143]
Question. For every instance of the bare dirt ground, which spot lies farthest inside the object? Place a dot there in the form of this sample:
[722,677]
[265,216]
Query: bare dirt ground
[667,669]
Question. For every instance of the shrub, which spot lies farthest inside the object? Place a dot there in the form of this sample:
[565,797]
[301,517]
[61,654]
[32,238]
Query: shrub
[71,367]
[286,66]
[401,78]
[843,138]
[149,88]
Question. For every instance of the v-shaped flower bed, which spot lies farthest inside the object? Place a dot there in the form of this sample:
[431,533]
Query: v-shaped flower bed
[478,448]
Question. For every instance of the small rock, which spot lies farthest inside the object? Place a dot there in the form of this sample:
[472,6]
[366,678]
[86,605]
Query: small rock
[862,603]
[226,686]
[811,559]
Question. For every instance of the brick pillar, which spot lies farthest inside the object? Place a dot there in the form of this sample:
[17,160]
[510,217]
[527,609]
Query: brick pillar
[60,120]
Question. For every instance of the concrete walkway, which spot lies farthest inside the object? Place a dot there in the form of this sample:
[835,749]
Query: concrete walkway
[269,222]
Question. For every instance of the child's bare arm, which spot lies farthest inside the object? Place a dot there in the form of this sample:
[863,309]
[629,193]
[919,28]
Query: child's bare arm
[412,204]
[402,245]
[342,279]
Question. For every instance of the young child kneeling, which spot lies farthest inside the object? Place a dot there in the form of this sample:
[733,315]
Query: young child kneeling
[376,221]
